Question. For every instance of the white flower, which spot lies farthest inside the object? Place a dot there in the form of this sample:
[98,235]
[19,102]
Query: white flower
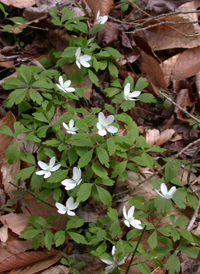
[165,193]
[130,95]
[129,219]
[101,19]
[71,129]
[47,169]
[112,263]
[64,86]
[70,205]
[104,123]
[82,59]
[75,181]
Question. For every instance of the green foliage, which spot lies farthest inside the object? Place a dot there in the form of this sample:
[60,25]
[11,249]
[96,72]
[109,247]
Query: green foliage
[100,160]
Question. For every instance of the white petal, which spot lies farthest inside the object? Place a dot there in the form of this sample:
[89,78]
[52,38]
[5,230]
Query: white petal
[85,58]
[98,14]
[71,131]
[172,191]
[99,126]
[109,119]
[163,189]
[104,19]
[61,208]
[70,213]
[76,173]
[67,84]
[65,125]
[124,212]
[112,129]
[55,167]
[121,262]
[84,63]
[131,212]
[47,175]
[61,80]
[113,250]
[40,172]
[74,206]
[136,223]
[60,87]
[102,132]
[78,64]
[71,124]
[69,184]
[106,261]
[127,89]
[52,162]
[160,193]
[135,94]
[42,165]
[69,202]
[101,118]
[109,269]
[70,89]
[78,52]
[127,223]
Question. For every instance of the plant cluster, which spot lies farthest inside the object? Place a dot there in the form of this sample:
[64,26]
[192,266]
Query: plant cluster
[82,157]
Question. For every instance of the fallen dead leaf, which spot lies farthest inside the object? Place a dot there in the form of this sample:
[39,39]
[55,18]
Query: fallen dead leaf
[4,233]
[156,138]
[16,222]
[19,3]
[58,269]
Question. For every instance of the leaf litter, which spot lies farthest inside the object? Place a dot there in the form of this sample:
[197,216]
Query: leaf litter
[168,58]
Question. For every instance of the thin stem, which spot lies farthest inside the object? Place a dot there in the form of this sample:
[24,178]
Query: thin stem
[31,193]
[135,249]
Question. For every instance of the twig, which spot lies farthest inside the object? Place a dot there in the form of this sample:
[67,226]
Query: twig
[31,193]
[135,249]
[175,104]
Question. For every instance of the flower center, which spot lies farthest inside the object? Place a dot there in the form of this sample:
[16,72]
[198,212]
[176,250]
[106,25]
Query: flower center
[105,125]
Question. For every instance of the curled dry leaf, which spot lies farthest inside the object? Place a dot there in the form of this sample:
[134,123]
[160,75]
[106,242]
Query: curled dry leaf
[184,99]
[16,222]
[167,36]
[19,4]
[156,138]
[25,258]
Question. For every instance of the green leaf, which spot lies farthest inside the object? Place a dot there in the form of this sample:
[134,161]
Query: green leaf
[181,221]
[84,192]
[191,252]
[40,116]
[112,214]
[12,153]
[97,28]
[164,205]
[147,98]
[113,69]
[75,222]
[104,181]
[110,108]
[6,130]
[173,264]
[141,84]
[113,52]
[152,241]
[31,233]
[16,97]
[81,143]
[85,158]
[93,78]
[66,14]
[179,197]
[35,96]
[144,269]
[192,200]
[99,170]
[185,234]
[77,238]
[110,146]
[119,169]
[104,196]
[25,72]
[24,173]
[102,156]
[48,239]
[59,238]
[127,105]
[171,170]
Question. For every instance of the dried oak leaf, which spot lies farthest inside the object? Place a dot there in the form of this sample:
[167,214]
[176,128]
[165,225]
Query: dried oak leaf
[19,3]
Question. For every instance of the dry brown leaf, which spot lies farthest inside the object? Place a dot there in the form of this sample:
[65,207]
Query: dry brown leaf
[58,269]
[16,222]
[35,208]
[155,74]
[8,174]
[25,258]
[184,99]
[109,34]
[187,64]
[183,174]
[19,3]
[6,140]
[43,264]
[170,36]
[4,233]
[167,67]
[103,5]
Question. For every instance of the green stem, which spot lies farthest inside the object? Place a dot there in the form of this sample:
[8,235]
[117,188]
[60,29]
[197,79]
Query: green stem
[31,193]
[135,249]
